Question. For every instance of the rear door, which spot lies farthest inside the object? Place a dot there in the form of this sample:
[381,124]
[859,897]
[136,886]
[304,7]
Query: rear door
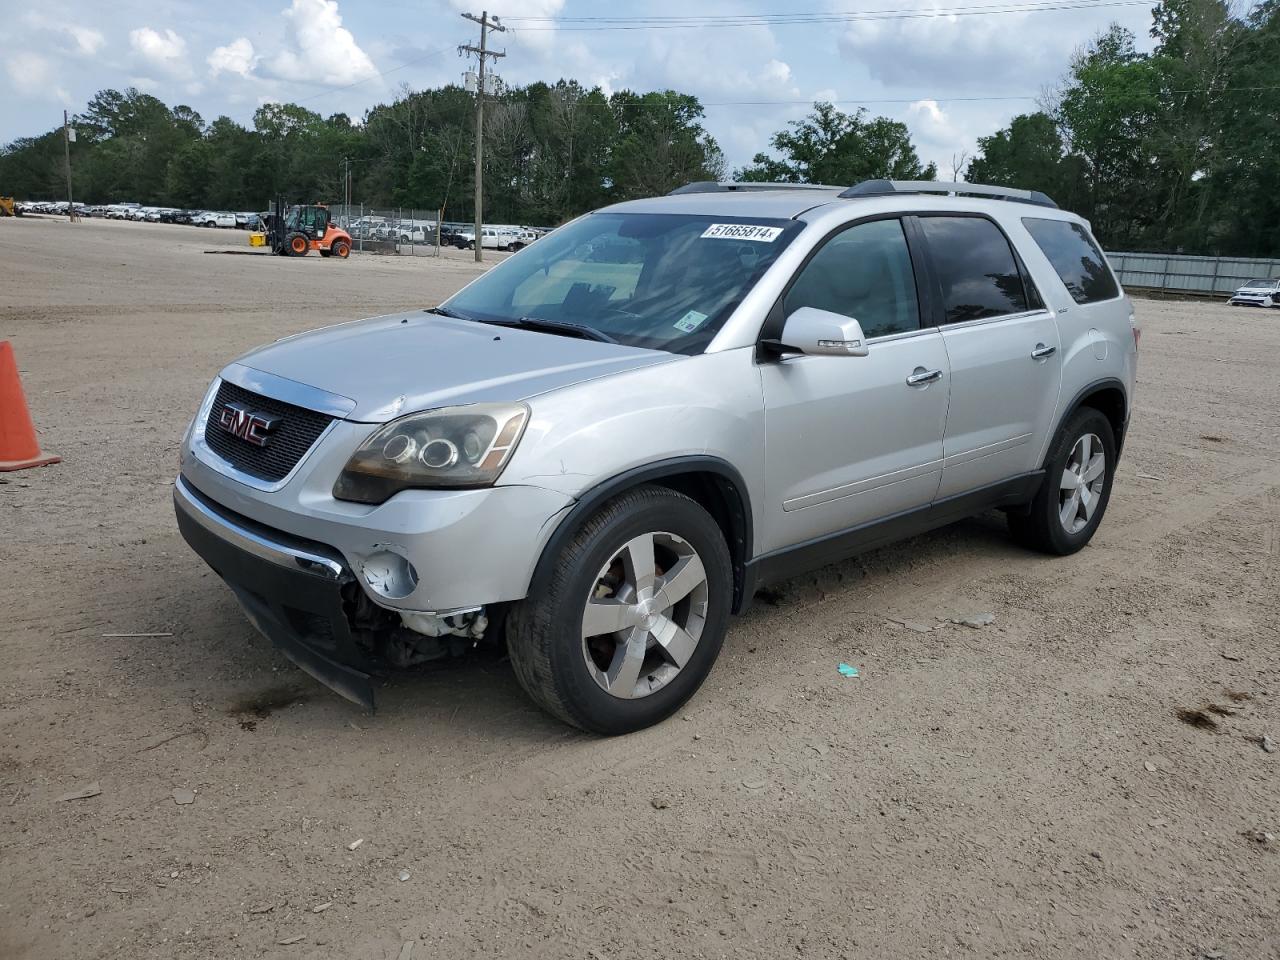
[1003,350]
[848,439]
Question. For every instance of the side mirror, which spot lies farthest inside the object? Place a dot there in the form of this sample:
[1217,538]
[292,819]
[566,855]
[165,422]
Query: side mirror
[821,333]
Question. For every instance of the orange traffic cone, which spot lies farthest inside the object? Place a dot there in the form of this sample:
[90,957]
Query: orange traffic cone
[18,445]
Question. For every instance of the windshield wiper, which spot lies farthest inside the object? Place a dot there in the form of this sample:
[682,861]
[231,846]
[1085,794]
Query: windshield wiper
[564,327]
[448,312]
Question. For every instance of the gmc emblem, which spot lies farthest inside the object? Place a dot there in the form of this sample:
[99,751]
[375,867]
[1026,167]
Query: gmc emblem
[251,425]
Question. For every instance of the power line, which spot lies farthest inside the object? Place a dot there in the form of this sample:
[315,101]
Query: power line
[755,20]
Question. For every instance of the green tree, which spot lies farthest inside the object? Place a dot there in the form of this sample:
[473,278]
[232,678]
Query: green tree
[660,144]
[831,146]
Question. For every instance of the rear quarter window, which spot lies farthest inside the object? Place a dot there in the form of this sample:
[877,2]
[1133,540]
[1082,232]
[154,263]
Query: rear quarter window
[1075,257]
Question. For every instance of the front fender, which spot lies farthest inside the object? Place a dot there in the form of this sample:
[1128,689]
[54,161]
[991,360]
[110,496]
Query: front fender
[707,409]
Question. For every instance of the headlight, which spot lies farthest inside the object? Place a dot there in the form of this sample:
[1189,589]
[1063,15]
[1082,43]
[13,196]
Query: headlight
[463,446]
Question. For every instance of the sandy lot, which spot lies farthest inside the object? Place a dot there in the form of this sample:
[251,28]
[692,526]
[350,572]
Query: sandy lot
[1022,790]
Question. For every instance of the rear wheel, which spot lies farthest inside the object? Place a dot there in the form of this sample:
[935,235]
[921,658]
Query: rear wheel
[341,249]
[632,618]
[1076,488]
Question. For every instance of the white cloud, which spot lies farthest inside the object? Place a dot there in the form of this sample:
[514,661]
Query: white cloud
[932,120]
[85,41]
[236,57]
[166,50]
[948,53]
[936,136]
[776,72]
[88,41]
[324,50]
[33,75]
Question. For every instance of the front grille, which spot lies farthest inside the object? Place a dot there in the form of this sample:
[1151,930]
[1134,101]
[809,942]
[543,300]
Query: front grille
[295,434]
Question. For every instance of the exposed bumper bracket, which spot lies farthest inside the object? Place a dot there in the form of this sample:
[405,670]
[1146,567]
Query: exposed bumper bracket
[290,589]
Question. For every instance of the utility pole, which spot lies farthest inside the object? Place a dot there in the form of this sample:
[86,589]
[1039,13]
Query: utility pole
[66,147]
[481,53]
[346,185]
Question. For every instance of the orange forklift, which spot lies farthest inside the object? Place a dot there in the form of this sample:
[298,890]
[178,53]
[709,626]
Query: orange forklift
[294,231]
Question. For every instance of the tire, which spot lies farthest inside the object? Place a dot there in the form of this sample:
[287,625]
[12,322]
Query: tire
[471,245]
[1045,526]
[341,249]
[297,244]
[567,674]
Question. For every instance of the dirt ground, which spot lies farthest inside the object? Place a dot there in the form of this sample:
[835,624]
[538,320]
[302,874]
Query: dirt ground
[1026,789]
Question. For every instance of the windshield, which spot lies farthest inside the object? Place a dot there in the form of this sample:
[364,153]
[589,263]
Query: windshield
[1258,283]
[662,281]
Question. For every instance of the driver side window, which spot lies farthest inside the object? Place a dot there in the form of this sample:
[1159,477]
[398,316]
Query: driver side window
[865,273]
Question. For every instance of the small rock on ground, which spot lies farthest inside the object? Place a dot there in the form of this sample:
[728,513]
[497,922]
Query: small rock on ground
[977,621]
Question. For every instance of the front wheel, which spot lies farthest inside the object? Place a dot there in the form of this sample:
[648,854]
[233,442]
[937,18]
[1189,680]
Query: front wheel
[1077,486]
[632,617]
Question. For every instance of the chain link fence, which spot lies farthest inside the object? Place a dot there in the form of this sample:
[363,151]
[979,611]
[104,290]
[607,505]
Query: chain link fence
[1179,273]
[415,232]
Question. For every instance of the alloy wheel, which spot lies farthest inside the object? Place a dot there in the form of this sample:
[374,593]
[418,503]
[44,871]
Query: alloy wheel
[644,615]
[1083,479]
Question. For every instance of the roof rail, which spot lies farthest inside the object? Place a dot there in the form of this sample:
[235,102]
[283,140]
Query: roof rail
[730,186]
[880,188]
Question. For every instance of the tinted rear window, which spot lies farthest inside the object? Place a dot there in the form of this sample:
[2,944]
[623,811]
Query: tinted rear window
[976,269]
[1075,257]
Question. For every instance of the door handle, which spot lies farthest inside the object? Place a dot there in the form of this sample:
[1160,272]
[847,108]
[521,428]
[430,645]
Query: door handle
[921,377]
[1042,352]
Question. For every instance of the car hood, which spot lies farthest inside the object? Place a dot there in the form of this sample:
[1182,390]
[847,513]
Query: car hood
[415,361]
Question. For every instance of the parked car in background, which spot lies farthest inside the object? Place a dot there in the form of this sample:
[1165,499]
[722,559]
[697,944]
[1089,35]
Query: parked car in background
[215,218]
[1257,293]
[247,221]
[416,234]
[491,238]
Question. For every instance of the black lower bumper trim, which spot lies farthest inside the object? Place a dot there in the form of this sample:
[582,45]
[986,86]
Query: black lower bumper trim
[300,612]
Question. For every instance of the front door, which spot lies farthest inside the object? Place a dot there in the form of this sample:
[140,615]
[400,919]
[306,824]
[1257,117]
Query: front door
[848,439]
[1003,350]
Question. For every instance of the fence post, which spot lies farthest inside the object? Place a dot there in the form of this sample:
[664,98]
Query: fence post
[1164,278]
[1213,284]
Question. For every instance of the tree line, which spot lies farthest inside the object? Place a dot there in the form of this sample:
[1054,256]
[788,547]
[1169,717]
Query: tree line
[551,152]
[1173,150]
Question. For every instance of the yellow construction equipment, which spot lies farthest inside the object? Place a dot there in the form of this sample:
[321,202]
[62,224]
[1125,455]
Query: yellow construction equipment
[7,209]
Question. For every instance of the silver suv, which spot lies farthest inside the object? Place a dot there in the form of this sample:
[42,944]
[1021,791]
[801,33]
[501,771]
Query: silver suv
[598,450]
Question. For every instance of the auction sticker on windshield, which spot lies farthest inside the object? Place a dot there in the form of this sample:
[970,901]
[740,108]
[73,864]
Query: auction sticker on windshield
[742,231]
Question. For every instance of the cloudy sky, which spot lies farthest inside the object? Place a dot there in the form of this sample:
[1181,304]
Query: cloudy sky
[950,78]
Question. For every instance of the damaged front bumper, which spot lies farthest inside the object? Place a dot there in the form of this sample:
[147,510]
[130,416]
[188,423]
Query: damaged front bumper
[291,589]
